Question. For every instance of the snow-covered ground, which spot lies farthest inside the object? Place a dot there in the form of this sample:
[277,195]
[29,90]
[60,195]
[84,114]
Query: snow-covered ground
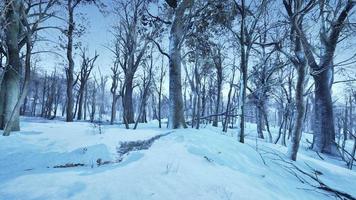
[186,164]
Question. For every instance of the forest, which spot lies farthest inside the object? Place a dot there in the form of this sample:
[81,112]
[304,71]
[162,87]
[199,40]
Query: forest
[177,99]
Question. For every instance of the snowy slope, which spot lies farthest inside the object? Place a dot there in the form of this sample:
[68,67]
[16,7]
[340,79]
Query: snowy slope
[187,164]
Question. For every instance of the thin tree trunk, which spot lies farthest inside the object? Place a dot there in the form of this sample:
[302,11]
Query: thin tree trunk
[113,108]
[218,97]
[70,69]
[225,125]
[85,102]
[351,125]
[259,122]
[81,102]
[243,80]
[299,100]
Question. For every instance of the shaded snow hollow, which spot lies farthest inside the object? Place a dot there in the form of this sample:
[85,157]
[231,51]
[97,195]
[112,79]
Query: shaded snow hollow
[186,164]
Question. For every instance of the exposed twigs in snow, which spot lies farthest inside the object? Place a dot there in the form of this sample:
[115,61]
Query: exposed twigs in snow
[310,178]
[127,147]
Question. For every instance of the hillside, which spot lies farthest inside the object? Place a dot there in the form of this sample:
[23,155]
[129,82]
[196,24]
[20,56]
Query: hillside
[58,160]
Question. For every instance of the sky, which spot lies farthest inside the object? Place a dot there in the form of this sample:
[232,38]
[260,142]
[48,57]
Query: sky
[98,37]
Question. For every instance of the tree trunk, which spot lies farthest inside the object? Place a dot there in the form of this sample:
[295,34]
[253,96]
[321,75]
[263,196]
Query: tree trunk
[324,130]
[2,105]
[299,100]
[352,154]
[344,130]
[12,74]
[70,69]
[198,96]
[80,102]
[351,125]
[194,107]
[113,109]
[159,107]
[218,97]
[225,125]
[127,102]
[243,78]
[259,123]
[12,123]
[176,108]
[85,102]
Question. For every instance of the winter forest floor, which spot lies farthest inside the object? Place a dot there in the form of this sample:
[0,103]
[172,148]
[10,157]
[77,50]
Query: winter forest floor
[79,160]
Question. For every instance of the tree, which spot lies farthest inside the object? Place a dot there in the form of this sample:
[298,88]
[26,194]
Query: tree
[332,26]
[133,33]
[178,30]
[246,35]
[115,78]
[85,70]
[145,88]
[70,32]
[218,64]
[159,90]
[22,19]
[299,61]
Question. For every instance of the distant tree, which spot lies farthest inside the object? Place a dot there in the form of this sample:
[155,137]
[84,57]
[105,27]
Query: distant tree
[71,31]
[133,33]
[85,71]
[116,89]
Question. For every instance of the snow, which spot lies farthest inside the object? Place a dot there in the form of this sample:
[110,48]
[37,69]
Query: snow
[187,164]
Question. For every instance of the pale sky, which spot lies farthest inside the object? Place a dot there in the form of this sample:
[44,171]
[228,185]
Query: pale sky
[98,36]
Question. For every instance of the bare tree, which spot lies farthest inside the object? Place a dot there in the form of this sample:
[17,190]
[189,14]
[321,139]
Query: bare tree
[299,61]
[146,84]
[85,70]
[116,79]
[70,32]
[179,27]
[159,90]
[25,16]
[218,64]
[247,35]
[332,26]
[132,36]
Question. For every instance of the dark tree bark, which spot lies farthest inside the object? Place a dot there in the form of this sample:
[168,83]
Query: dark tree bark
[86,68]
[219,77]
[11,83]
[259,122]
[323,72]
[127,101]
[324,129]
[176,108]
[70,68]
